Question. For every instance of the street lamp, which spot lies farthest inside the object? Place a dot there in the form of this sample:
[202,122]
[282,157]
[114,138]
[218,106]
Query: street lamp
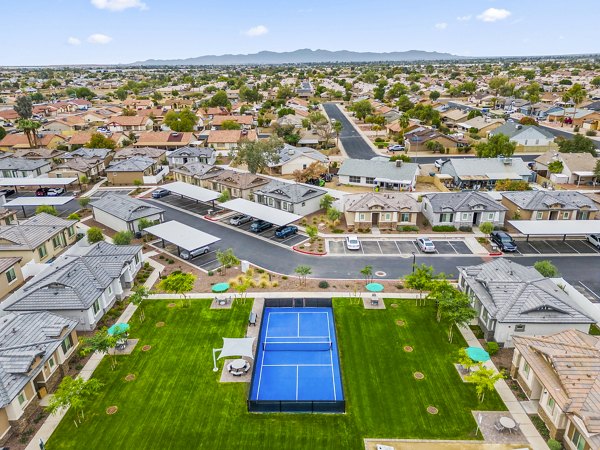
[414,261]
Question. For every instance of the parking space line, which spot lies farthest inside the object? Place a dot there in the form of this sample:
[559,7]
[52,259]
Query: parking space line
[450,244]
[566,243]
[399,251]
[380,251]
[596,249]
[589,290]
[551,246]
[533,247]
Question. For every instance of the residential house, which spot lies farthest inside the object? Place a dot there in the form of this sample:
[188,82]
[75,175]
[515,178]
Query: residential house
[83,138]
[11,276]
[483,125]
[78,167]
[7,216]
[195,173]
[386,211]
[484,173]
[127,172]
[157,154]
[577,117]
[297,158]
[515,300]
[560,374]
[168,140]
[453,117]
[39,238]
[12,167]
[123,213]
[229,139]
[549,205]
[416,140]
[34,350]
[245,122]
[577,168]
[291,197]
[128,124]
[528,138]
[462,209]
[13,142]
[185,155]
[39,153]
[379,174]
[82,287]
[239,184]
[103,154]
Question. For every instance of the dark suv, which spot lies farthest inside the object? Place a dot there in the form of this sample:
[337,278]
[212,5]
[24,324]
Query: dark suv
[285,231]
[260,225]
[504,241]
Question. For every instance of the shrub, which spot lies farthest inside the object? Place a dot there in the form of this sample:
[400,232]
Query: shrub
[274,284]
[399,286]
[284,277]
[73,216]
[94,234]
[323,284]
[590,133]
[465,228]
[443,228]
[425,222]
[122,238]
[492,348]
[553,444]
[482,240]
[210,273]
[486,227]
[378,139]
[576,129]
[78,366]
[407,228]
[546,268]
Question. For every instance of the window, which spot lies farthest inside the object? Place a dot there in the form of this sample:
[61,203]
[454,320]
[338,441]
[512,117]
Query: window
[539,215]
[96,307]
[354,179]
[71,230]
[303,203]
[578,440]
[284,206]
[270,201]
[11,275]
[38,171]
[404,217]
[387,216]
[21,398]
[491,216]
[109,290]
[137,258]
[370,180]
[550,403]
[526,369]
[520,327]
[42,251]
[446,217]
[56,241]
[465,216]
[67,344]
[566,215]
[51,362]
[361,217]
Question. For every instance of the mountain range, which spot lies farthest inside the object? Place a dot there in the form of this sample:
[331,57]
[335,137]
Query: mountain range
[302,56]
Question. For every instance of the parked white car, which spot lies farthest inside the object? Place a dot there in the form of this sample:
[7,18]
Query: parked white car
[594,239]
[426,245]
[352,242]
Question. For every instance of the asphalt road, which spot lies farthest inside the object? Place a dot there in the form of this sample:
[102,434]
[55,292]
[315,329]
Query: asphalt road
[574,269]
[558,132]
[354,144]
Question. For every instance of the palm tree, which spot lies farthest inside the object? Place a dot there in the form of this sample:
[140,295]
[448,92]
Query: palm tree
[403,121]
[337,127]
[577,95]
[29,127]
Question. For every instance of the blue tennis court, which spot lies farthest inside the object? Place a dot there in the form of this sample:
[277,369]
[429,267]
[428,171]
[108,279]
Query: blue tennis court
[297,358]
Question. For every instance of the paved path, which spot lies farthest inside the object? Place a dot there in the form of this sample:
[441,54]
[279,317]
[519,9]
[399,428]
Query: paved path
[354,143]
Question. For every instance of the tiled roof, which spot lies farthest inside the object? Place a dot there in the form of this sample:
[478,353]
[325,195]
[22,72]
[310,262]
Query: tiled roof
[31,233]
[125,208]
[544,200]
[134,164]
[290,192]
[463,201]
[379,169]
[385,202]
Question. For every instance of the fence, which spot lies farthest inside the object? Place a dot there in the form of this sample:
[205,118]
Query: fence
[298,303]
[298,406]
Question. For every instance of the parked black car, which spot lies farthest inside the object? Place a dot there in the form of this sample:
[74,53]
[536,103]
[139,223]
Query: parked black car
[260,225]
[504,241]
[285,231]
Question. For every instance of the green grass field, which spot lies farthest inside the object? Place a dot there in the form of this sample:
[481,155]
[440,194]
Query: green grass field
[176,401]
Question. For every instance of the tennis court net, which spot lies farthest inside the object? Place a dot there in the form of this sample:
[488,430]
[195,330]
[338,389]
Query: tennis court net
[311,346]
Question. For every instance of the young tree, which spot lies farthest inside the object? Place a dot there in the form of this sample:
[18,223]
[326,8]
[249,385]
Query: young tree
[497,145]
[122,237]
[337,128]
[84,201]
[224,197]
[98,140]
[74,393]
[458,312]
[484,380]
[435,146]
[48,209]
[137,297]
[312,233]
[579,144]
[181,121]
[486,227]
[227,259]
[442,292]
[230,125]
[546,268]
[257,155]
[326,201]
[367,272]
[83,179]
[333,215]
[101,342]
[362,109]
[94,234]
[303,271]
[465,360]
[178,283]
[420,279]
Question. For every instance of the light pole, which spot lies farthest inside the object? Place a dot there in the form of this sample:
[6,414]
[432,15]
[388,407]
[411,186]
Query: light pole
[414,261]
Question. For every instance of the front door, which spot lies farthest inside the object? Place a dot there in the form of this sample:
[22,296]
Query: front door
[553,215]
[475,217]
[375,218]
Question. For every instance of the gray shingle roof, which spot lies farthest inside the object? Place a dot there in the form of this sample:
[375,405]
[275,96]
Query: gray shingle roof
[7,263]
[512,129]
[33,232]
[386,202]
[73,282]
[543,200]
[134,164]
[514,293]
[288,153]
[290,192]
[89,153]
[462,202]
[192,151]
[492,167]
[23,338]
[378,169]
[12,163]
[125,208]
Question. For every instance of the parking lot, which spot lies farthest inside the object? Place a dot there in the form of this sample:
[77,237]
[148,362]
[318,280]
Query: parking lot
[270,233]
[554,246]
[404,248]
[188,204]
[207,262]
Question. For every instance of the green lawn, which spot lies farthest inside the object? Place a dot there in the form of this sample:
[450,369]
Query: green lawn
[177,403]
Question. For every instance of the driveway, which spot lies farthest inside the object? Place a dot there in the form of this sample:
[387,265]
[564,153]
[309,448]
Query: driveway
[354,144]
[398,248]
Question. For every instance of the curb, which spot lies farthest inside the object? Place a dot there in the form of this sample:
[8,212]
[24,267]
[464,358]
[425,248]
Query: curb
[296,249]
[496,254]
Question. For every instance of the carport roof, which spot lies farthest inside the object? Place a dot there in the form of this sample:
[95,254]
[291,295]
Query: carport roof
[182,235]
[38,201]
[556,227]
[191,191]
[36,181]
[266,213]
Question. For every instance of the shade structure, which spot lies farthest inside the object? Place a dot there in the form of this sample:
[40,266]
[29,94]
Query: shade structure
[38,201]
[374,287]
[36,181]
[556,227]
[190,191]
[182,235]
[237,347]
[258,211]
[118,328]
[220,287]
[478,354]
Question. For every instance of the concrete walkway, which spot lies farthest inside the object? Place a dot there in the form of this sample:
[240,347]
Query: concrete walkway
[514,406]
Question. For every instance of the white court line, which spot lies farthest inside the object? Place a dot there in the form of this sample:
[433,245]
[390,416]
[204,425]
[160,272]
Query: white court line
[295,312]
[331,358]
[262,361]
[298,332]
[297,365]
[297,382]
[295,337]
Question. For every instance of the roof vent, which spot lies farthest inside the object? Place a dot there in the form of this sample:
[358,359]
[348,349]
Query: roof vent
[398,163]
[175,134]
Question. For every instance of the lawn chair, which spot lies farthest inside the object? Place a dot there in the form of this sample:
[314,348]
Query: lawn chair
[252,319]
[498,426]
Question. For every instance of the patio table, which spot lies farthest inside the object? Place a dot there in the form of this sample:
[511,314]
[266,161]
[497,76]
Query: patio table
[508,423]
[238,364]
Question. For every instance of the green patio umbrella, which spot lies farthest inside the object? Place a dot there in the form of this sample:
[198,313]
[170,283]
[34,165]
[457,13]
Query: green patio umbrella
[118,328]
[220,287]
[374,287]
[478,354]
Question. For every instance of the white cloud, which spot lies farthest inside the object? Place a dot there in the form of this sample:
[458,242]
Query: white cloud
[98,38]
[441,25]
[257,31]
[494,14]
[73,41]
[464,18]
[119,5]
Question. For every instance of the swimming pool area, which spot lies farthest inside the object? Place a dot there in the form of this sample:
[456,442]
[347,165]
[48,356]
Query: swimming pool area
[297,366]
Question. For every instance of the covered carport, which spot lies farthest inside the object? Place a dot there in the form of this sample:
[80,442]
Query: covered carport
[181,235]
[562,228]
[197,193]
[262,212]
[37,201]
[37,182]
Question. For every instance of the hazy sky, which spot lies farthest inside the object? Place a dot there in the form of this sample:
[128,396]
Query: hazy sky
[40,32]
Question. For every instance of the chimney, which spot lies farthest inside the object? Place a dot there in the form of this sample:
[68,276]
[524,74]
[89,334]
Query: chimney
[398,163]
